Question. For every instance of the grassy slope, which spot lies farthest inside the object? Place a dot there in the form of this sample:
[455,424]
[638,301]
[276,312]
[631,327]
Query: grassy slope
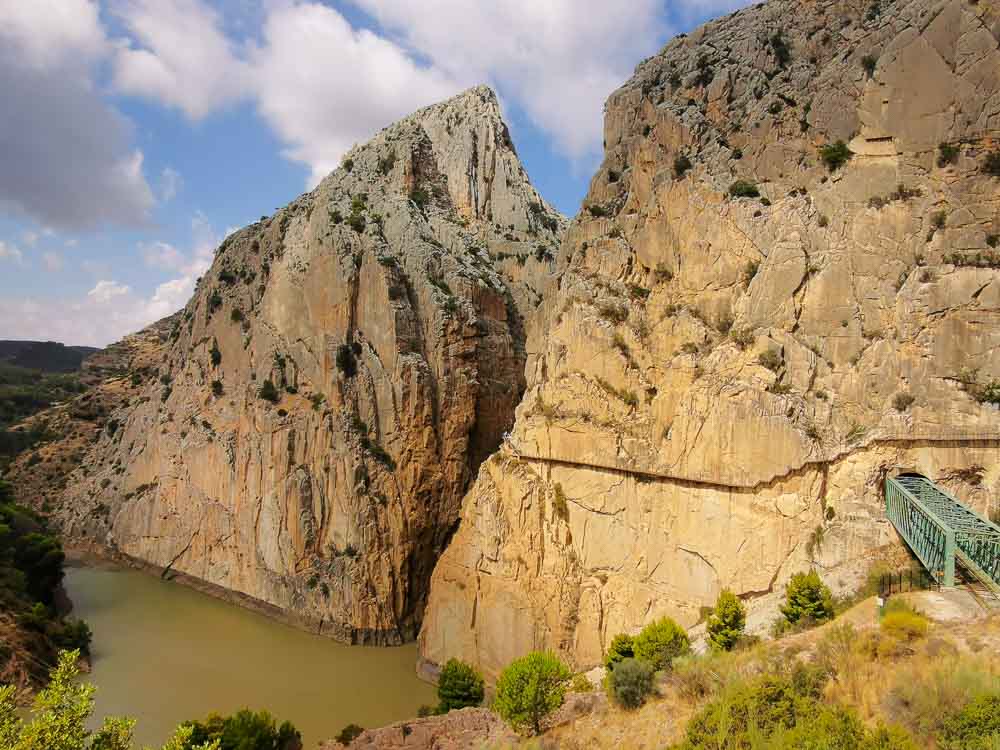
[914,683]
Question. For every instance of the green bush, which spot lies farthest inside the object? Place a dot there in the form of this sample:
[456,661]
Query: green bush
[622,647]
[727,621]
[757,708]
[681,165]
[268,392]
[348,734]
[217,388]
[215,354]
[661,642]
[975,727]
[530,688]
[835,155]
[459,685]
[743,189]
[631,681]
[947,154]
[244,730]
[807,599]
[74,635]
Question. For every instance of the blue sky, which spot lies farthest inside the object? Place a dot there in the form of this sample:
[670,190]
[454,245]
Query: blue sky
[136,133]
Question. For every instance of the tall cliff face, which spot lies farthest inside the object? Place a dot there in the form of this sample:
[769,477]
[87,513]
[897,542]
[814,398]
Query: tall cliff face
[751,327]
[328,393]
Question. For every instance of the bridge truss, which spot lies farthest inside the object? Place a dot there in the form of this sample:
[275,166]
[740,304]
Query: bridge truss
[940,530]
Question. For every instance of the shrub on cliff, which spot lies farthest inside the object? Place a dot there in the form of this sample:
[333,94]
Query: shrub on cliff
[661,642]
[268,392]
[807,600]
[631,681]
[835,155]
[622,647]
[727,621]
[743,189]
[530,688]
[459,686]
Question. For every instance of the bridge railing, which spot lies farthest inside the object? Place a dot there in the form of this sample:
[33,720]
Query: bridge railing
[930,538]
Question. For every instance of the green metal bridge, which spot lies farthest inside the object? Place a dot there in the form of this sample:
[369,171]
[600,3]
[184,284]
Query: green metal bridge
[942,532]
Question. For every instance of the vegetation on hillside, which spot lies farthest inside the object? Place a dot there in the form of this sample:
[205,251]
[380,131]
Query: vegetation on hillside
[31,571]
[24,393]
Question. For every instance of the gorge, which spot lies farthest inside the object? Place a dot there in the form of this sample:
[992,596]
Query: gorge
[419,404]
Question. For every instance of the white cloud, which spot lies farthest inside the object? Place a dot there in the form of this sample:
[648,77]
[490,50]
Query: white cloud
[105,291]
[29,238]
[66,154]
[11,253]
[170,184]
[53,262]
[112,309]
[48,33]
[178,54]
[558,59]
[323,86]
[163,255]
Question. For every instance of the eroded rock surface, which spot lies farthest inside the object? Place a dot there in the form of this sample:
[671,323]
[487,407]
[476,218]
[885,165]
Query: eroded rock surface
[725,381]
[340,373]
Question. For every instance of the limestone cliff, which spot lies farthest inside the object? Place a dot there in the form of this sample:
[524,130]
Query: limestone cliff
[325,398]
[752,325]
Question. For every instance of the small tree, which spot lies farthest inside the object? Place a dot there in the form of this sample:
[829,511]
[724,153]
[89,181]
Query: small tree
[807,598]
[622,647]
[458,686]
[727,621]
[530,688]
[215,354]
[631,681]
[661,642]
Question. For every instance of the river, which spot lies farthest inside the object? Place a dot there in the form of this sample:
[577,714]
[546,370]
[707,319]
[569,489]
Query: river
[163,653]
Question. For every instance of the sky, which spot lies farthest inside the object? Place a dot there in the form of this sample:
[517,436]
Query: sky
[136,134]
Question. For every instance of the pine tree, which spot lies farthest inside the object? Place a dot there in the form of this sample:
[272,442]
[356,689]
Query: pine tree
[727,621]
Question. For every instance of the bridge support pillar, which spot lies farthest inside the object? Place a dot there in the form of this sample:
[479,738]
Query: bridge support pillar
[948,574]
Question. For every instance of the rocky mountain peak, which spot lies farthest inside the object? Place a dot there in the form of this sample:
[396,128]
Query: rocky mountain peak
[330,390]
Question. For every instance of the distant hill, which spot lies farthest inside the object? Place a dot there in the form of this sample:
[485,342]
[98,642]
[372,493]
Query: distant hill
[47,356]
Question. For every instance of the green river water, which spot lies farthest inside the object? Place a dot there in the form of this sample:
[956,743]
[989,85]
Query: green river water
[163,653]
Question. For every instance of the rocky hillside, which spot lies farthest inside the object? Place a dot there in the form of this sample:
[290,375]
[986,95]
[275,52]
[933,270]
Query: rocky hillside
[783,285]
[326,397]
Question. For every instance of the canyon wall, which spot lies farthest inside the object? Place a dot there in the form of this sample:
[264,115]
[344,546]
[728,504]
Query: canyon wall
[783,286]
[323,401]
